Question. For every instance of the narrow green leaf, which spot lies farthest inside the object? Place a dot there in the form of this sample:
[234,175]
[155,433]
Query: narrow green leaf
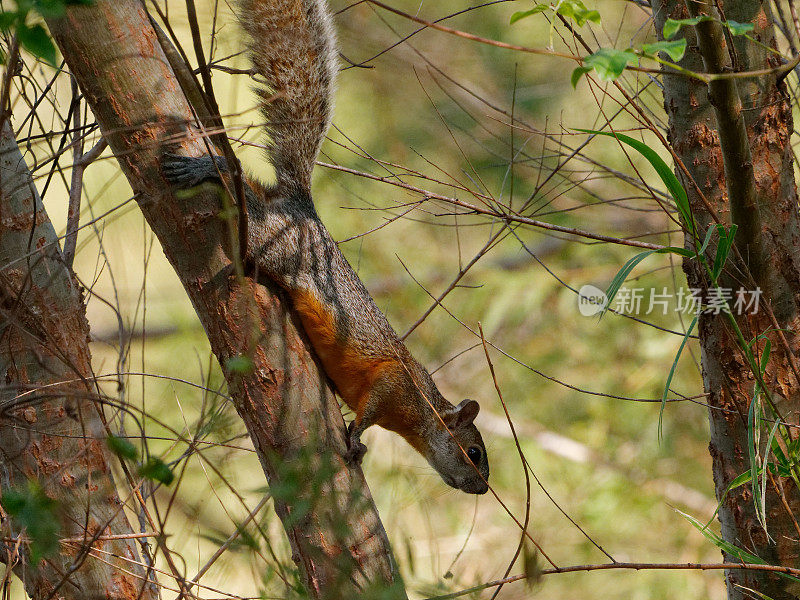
[37,41]
[519,15]
[723,248]
[728,548]
[780,457]
[622,275]
[753,438]
[675,49]
[669,179]
[679,251]
[745,477]
[742,479]
[709,234]
[671,374]
[626,269]
[763,507]
[671,26]
[765,355]
[755,593]
[793,445]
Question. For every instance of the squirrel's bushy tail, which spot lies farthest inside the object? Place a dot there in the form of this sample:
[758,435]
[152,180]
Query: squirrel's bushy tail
[293,49]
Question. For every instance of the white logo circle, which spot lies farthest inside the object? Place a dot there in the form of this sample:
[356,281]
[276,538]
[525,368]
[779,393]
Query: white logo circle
[591,300]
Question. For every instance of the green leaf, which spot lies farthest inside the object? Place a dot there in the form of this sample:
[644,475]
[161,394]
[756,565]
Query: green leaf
[709,233]
[609,63]
[239,364]
[755,593]
[8,20]
[754,442]
[672,374]
[770,439]
[577,74]
[675,49]
[50,9]
[36,512]
[577,11]
[737,28]
[539,8]
[671,26]
[723,248]
[156,470]
[780,457]
[626,269]
[622,275]
[765,355]
[121,447]
[669,179]
[745,477]
[753,439]
[727,547]
[37,41]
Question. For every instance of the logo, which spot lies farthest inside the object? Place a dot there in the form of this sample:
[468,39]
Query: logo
[591,300]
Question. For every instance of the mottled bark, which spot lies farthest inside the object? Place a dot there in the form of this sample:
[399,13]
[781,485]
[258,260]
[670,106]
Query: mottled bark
[335,533]
[734,138]
[50,427]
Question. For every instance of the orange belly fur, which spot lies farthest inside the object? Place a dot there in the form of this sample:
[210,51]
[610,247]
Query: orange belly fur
[353,373]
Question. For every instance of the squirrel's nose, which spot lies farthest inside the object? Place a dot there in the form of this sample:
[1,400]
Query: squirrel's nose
[475,487]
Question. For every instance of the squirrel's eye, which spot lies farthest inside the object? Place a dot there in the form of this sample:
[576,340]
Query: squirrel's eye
[474,454]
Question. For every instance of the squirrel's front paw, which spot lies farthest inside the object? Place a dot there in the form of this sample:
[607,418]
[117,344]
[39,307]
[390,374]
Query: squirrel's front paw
[355,449]
[355,453]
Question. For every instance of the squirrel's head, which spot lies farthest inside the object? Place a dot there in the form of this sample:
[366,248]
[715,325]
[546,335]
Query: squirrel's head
[467,469]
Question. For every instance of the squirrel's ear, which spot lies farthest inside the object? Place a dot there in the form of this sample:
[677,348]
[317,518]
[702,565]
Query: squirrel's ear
[463,414]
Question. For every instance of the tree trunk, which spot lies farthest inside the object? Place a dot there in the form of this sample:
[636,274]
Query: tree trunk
[50,427]
[334,530]
[733,136]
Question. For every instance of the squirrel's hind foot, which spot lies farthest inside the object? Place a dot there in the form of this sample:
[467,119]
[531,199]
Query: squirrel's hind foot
[188,171]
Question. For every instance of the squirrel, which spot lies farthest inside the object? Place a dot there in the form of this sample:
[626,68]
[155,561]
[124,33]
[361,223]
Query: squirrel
[293,48]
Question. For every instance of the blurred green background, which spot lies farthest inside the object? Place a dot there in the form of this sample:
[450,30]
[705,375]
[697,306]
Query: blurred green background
[429,105]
